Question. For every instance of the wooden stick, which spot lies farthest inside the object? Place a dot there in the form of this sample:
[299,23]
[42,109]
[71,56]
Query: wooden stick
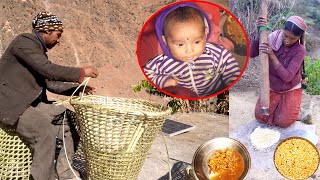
[264,60]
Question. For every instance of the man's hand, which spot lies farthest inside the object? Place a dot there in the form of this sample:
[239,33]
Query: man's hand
[90,71]
[171,82]
[88,90]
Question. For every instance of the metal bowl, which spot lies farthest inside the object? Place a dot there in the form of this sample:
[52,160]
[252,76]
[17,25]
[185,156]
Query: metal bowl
[311,136]
[200,169]
[301,138]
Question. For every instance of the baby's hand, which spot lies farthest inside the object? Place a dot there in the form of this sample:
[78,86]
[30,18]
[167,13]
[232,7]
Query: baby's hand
[171,82]
[88,90]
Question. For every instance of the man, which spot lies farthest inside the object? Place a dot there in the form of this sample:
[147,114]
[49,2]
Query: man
[25,75]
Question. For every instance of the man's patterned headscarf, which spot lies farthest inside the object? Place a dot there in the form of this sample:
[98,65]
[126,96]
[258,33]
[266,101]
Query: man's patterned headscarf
[45,21]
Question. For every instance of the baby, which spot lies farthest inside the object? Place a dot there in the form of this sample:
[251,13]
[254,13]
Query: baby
[188,60]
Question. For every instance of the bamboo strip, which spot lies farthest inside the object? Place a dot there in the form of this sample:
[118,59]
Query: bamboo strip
[134,137]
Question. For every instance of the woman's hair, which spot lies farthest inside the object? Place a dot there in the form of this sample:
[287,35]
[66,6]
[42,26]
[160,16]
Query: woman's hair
[290,26]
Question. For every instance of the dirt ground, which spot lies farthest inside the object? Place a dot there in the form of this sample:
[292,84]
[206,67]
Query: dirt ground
[102,33]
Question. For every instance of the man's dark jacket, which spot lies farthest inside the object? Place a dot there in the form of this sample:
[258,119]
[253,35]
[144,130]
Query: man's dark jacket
[26,74]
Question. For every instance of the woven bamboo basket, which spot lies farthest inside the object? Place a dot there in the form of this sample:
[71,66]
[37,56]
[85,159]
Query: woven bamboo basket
[117,134]
[15,156]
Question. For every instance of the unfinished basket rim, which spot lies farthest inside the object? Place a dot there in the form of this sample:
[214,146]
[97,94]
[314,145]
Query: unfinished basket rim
[110,103]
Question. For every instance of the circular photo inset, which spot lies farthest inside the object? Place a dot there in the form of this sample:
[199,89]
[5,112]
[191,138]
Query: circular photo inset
[192,49]
[296,158]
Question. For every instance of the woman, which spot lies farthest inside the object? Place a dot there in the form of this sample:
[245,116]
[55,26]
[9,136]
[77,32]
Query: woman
[286,53]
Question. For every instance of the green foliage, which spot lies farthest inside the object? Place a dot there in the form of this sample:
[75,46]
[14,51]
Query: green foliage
[277,21]
[312,71]
[144,84]
[218,104]
[311,12]
[223,103]
[175,105]
[248,11]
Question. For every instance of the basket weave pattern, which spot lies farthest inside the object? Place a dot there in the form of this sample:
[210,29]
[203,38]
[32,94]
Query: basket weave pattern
[117,134]
[15,156]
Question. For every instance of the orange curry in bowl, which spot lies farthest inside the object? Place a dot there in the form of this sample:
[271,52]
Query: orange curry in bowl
[225,164]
